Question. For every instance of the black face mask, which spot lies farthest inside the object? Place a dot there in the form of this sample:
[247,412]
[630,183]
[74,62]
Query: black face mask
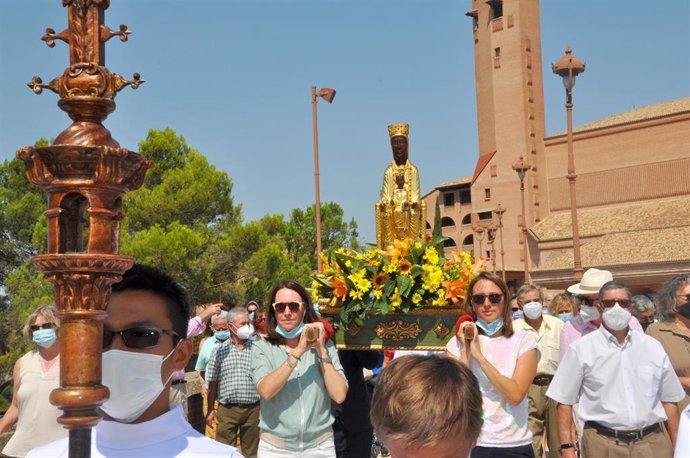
[684,311]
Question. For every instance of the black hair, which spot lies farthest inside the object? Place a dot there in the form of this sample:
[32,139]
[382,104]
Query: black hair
[145,278]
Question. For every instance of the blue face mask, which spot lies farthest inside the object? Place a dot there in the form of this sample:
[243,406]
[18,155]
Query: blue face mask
[44,337]
[518,314]
[565,316]
[290,334]
[490,328]
[222,335]
[251,315]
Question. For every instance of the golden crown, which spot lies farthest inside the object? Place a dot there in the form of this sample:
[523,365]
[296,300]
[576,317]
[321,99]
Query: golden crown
[399,129]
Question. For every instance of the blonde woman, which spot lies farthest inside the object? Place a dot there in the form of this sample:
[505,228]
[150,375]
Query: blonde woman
[36,374]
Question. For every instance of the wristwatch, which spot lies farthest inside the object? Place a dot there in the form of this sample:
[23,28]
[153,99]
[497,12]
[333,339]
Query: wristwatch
[567,446]
[326,360]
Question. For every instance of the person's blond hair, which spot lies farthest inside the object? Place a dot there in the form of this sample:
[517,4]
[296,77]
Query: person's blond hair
[563,298]
[48,312]
[425,400]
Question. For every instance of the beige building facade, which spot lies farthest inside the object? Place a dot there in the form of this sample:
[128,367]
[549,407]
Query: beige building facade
[632,171]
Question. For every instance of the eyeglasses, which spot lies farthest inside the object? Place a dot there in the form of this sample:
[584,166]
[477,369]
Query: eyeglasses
[36,327]
[281,306]
[139,337]
[586,301]
[686,296]
[625,303]
[260,320]
[494,298]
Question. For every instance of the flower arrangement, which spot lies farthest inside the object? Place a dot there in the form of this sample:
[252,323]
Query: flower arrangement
[409,275]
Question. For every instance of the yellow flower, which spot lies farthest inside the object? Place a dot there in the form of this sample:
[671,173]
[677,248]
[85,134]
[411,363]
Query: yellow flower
[404,267]
[356,294]
[380,280]
[431,255]
[432,276]
[396,300]
[390,267]
[418,245]
[416,298]
[348,263]
[315,295]
[378,293]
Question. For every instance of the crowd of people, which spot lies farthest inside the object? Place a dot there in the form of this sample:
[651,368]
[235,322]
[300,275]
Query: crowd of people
[592,371]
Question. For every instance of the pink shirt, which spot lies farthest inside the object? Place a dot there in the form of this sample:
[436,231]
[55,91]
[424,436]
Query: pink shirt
[577,327]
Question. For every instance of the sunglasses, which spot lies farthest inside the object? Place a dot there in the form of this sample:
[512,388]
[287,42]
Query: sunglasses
[281,306]
[494,298]
[36,327]
[625,303]
[686,296]
[139,337]
[586,301]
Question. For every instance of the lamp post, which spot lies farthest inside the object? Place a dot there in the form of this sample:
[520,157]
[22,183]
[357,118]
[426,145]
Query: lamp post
[479,233]
[522,167]
[500,210]
[568,67]
[327,94]
[491,232]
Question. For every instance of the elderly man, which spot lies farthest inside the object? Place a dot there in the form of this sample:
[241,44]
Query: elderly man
[589,319]
[625,385]
[547,329]
[229,381]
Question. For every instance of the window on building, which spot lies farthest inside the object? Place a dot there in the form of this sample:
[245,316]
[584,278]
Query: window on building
[447,221]
[496,8]
[448,199]
[484,215]
[467,220]
[465,196]
[428,226]
[497,52]
[469,240]
[449,243]
[487,194]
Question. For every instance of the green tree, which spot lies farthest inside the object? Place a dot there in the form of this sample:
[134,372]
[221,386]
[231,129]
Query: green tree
[437,230]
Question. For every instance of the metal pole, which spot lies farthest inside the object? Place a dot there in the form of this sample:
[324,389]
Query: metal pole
[503,261]
[577,264]
[524,231]
[316,179]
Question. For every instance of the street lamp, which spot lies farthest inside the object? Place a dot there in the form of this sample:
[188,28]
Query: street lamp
[491,232]
[522,167]
[479,233]
[568,67]
[500,210]
[327,94]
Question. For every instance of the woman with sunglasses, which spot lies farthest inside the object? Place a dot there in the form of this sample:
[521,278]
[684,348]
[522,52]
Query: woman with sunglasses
[673,328]
[297,374]
[505,363]
[36,374]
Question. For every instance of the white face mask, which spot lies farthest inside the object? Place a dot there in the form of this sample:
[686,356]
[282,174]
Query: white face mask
[134,381]
[589,312]
[533,310]
[245,331]
[616,318]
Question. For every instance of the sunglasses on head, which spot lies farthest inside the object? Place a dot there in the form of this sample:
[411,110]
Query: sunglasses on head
[36,327]
[281,306]
[139,337]
[625,303]
[494,298]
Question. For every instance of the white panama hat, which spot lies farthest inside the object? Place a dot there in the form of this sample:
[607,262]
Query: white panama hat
[592,281]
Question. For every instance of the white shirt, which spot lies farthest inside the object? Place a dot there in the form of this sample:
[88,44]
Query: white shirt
[683,437]
[505,425]
[621,387]
[548,341]
[169,435]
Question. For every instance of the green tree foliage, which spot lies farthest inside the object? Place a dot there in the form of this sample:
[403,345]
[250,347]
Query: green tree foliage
[437,230]
[183,220]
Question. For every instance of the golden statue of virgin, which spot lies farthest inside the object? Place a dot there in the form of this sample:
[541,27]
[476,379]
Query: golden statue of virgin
[400,212]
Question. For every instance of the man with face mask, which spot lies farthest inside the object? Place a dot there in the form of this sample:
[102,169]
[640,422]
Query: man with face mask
[625,384]
[547,329]
[230,382]
[589,318]
[144,342]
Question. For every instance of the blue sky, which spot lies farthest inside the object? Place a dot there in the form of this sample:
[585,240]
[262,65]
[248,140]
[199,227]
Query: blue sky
[234,78]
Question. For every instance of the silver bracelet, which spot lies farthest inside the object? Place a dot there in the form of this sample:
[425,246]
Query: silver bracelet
[290,365]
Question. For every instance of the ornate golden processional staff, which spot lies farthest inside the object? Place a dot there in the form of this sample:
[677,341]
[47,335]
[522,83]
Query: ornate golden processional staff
[85,174]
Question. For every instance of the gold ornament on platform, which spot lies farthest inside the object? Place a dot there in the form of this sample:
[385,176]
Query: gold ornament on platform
[397,330]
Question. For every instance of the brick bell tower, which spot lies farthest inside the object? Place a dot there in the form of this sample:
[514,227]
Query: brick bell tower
[510,118]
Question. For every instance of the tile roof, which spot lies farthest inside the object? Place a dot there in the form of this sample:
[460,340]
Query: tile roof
[456,182]
[637,114]
[650,215]
[626,248]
